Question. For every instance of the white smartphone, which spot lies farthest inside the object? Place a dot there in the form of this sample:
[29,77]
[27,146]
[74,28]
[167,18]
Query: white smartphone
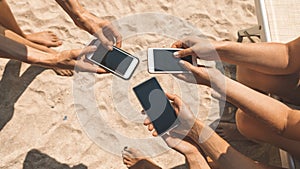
[116,61]
[161,60]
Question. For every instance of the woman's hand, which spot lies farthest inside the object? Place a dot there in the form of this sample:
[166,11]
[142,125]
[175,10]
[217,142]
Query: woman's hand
[71,59]
[197,47]
[184,114]
[102,29]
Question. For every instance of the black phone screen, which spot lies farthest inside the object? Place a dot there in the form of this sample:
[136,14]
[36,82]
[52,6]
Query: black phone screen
[165,61]
[114,60]
[156,105]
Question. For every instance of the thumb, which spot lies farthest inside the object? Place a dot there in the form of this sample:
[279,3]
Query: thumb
[171,141]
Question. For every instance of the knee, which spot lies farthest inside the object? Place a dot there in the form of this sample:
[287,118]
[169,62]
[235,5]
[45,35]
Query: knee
[245,125]
[241,121]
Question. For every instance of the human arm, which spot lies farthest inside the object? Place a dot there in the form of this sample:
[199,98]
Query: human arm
[269,58]
[215,147]
[100,28]
[282,119]
[187,147]
[70,59]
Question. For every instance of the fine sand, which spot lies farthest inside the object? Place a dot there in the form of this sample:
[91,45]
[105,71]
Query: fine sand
[84,121]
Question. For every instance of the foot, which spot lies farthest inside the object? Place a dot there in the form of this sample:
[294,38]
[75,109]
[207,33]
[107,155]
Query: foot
[63,72]
[134,158]
[46,38]
[229,132]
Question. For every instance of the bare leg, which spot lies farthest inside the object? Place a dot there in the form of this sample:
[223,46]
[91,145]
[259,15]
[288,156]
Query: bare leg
[257,130]
[7,19]
[15,37]
[284,86]
[221,152]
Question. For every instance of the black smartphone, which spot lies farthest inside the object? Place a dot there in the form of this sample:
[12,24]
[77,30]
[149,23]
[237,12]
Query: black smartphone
[156,105]
[116,61]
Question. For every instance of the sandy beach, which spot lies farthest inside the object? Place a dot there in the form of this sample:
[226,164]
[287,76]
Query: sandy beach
[56,122]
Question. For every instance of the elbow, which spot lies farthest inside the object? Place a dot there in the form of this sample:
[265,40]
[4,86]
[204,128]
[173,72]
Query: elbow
[290,58]
[286,63]
[281,130]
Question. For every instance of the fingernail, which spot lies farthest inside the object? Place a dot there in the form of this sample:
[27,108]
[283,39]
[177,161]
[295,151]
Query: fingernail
[181,62]
[176,54]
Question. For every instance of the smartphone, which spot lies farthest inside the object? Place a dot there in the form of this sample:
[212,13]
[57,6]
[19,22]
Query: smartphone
[116,61]
[156,105]
[161,60]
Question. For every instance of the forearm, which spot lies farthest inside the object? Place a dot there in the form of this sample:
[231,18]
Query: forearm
[269,58]
[13,50]
[196,161]
[221,152]
[72,7]
[74,10]
[79,15]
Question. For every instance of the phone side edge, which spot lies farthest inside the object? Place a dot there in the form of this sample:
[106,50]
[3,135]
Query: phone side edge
[131,69]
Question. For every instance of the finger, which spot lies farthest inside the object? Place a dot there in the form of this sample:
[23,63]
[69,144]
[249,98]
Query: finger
[100,70]
[117,35]
[119,42]
[85,66]
[154,133]
[173,97]
[180,44]
[177,44]
[126,161]
[184,53]
[176,108]
[80,52]
[180,76]
[147,121]
[187,66]
[126,154]
[104,41]
[150,127]
[88,49]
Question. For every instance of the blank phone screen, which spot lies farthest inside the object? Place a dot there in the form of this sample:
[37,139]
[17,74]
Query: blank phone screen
[156,105]
[114,60]
[165,61]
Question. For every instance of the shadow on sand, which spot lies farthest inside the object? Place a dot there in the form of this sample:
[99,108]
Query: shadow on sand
[12,86]
[38,160]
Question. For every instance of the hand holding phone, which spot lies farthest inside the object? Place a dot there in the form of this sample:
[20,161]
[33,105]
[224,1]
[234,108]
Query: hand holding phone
[156,105]
[116,61]
[162,60]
